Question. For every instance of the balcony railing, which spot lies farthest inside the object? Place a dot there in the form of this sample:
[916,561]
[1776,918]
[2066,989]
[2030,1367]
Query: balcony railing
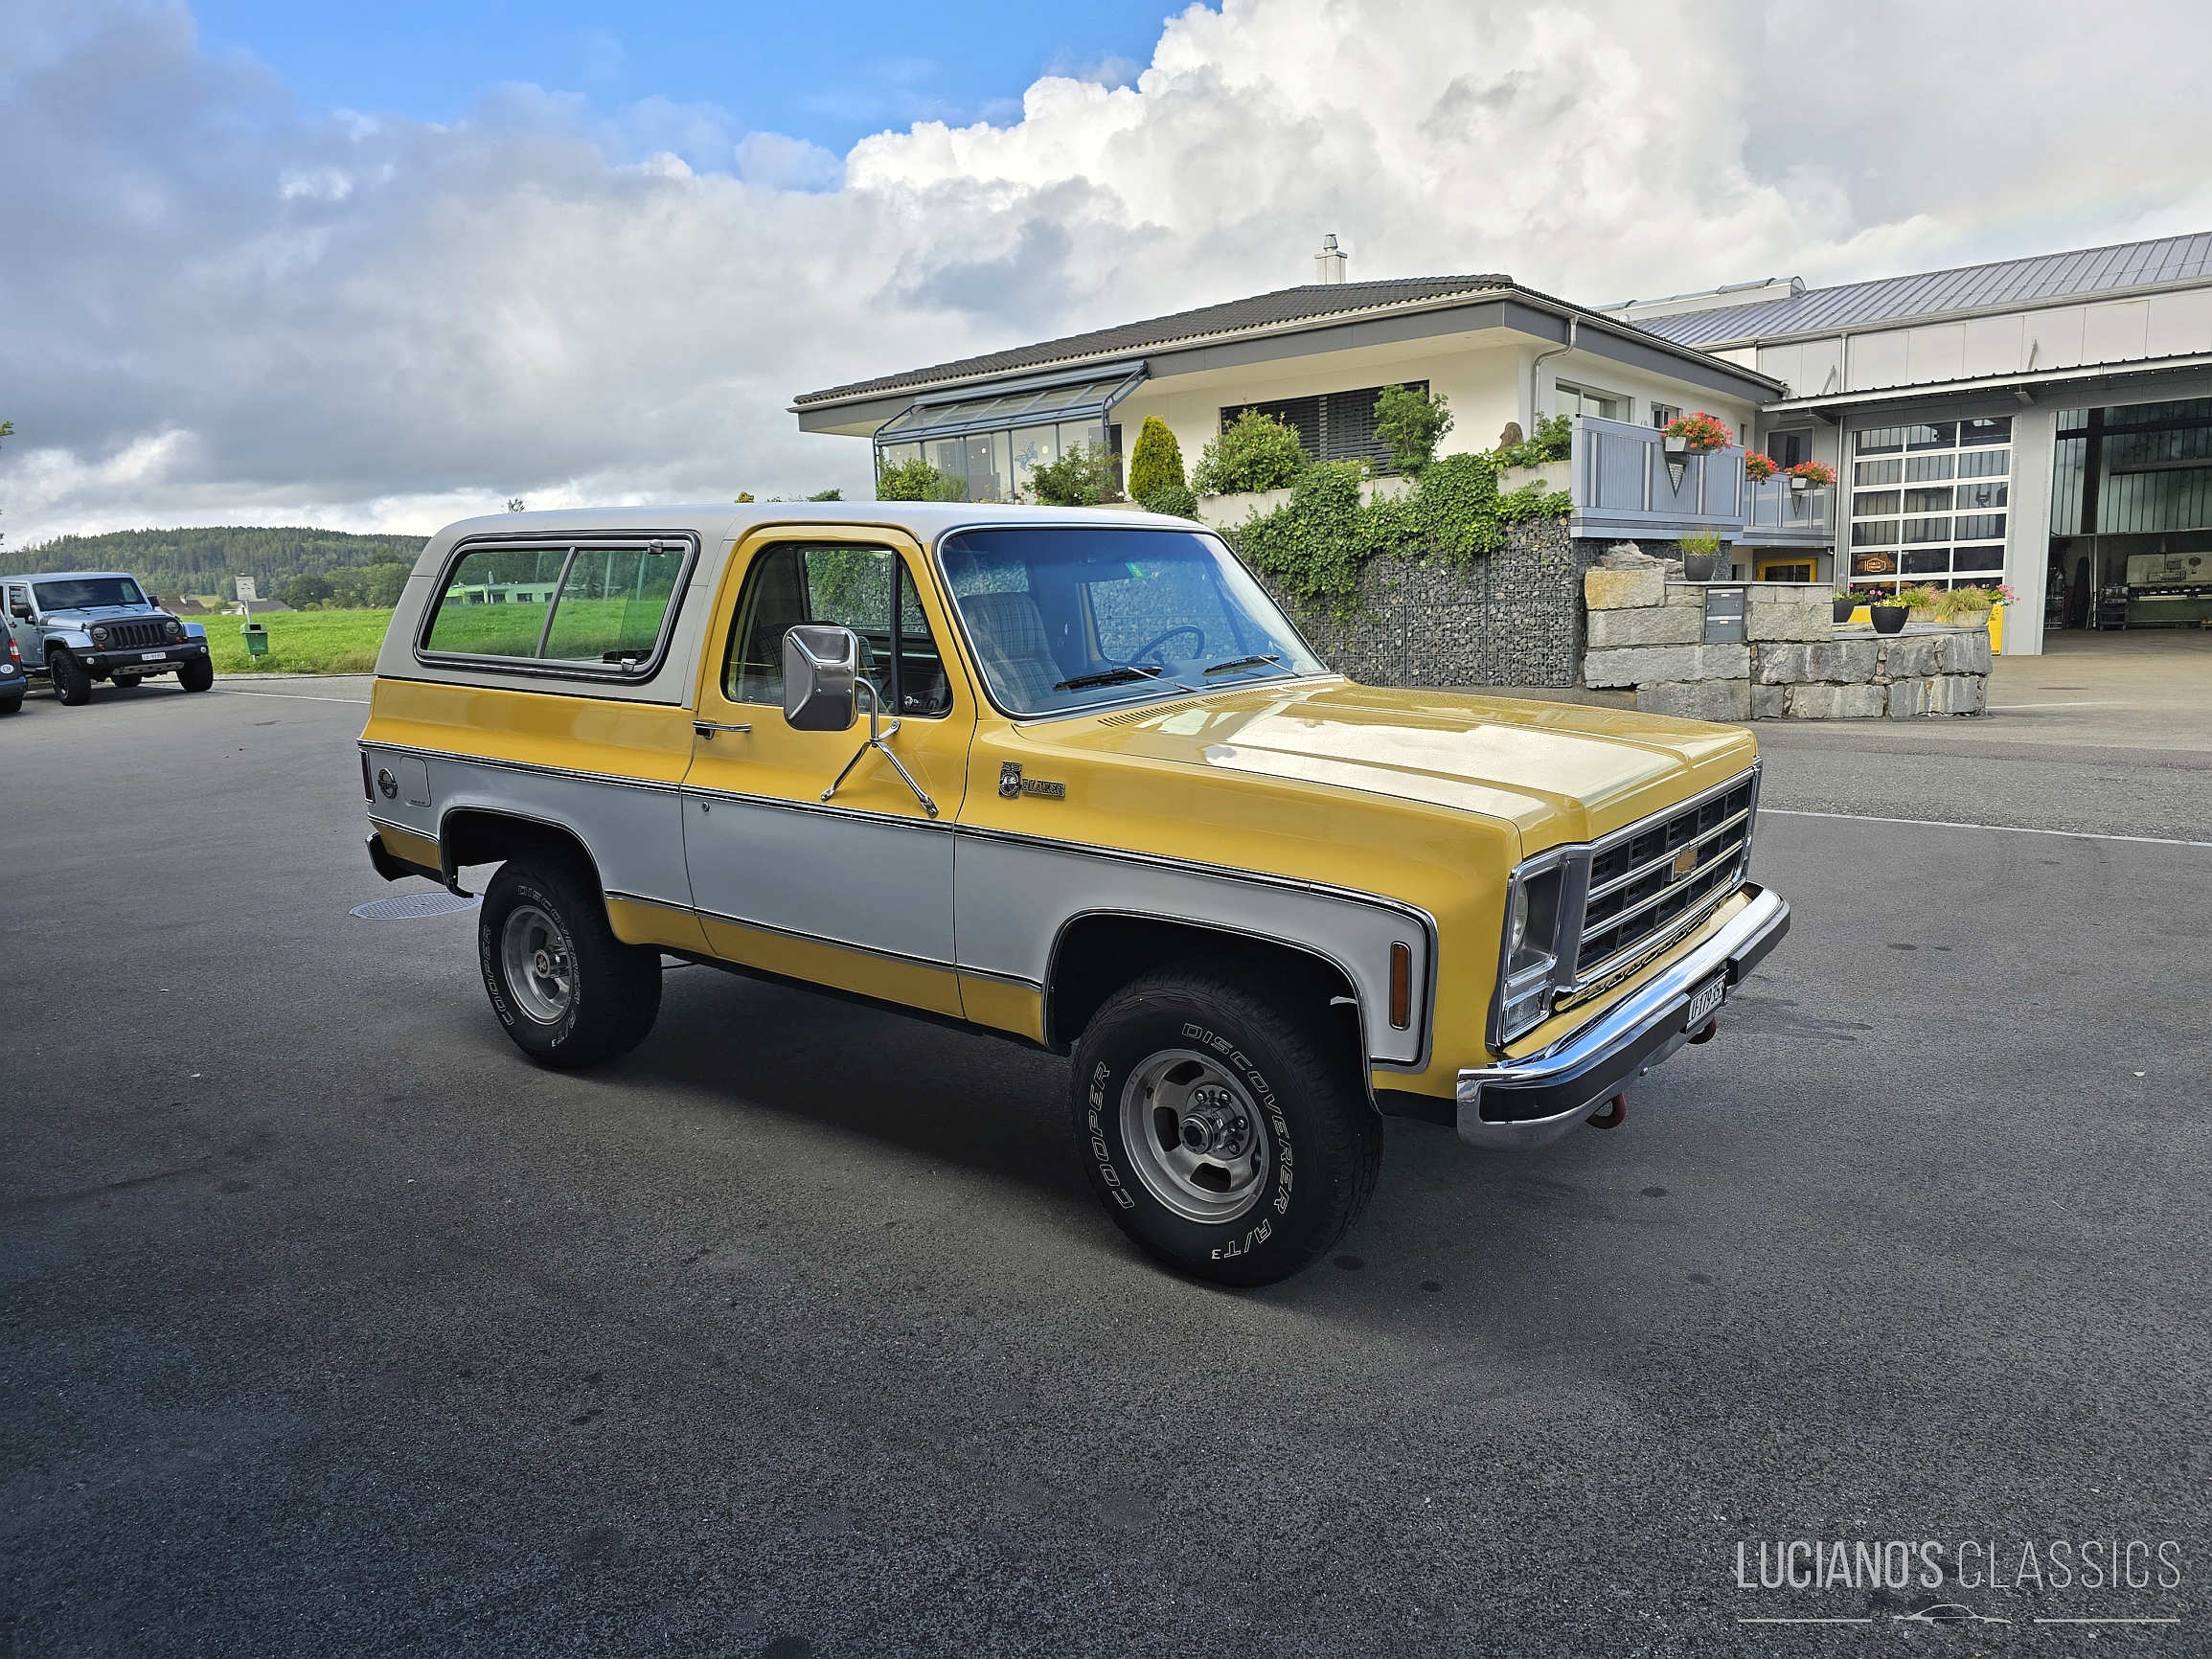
[1622,485]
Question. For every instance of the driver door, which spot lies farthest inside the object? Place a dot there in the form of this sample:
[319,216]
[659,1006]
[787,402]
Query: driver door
[856,891]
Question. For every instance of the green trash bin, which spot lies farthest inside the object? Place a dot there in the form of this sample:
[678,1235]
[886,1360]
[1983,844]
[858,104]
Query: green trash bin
[256,639]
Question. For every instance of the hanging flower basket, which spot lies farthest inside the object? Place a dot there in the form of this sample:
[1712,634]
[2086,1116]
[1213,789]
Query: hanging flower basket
[1810,474]
[1699,432]
[1758,468]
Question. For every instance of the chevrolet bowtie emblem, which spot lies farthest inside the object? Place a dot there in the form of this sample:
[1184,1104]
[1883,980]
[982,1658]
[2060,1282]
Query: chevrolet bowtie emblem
[1685,861]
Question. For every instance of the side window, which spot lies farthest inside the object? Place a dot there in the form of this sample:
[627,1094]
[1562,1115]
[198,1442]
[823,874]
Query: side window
[847,586]
[565,603]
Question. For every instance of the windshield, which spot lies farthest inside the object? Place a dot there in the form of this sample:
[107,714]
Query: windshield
[1064,618]
[83,592]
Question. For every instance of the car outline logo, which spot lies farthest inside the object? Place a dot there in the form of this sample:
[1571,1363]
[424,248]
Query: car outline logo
[1948,1613]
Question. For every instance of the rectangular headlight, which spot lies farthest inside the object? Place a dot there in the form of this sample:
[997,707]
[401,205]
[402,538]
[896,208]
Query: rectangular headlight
[1528,959]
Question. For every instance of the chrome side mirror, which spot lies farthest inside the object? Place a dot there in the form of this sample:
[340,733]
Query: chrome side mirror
[821,670]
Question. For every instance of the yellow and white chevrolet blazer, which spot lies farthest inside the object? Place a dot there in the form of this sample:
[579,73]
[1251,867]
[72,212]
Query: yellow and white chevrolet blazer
[1070,777]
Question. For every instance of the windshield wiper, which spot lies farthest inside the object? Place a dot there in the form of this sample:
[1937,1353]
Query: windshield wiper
[1242,663]
[1110,678]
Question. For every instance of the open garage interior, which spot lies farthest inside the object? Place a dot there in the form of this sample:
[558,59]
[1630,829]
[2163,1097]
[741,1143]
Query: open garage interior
[2132,518]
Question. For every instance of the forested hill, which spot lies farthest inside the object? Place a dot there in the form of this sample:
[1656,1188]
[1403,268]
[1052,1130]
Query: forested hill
[172,561]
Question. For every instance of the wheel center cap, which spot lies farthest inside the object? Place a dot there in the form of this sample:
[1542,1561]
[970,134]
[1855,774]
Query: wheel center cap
[1214,1125]
[544,963]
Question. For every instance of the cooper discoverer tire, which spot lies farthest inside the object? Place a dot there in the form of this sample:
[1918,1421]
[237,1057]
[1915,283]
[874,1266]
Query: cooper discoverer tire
[1225,1140]
[567,991]
[72,685]
[195,674]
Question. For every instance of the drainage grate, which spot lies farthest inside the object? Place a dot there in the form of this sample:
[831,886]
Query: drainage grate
[407,906]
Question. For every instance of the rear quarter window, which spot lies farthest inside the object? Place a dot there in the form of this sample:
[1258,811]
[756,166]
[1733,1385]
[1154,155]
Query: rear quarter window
[577,607]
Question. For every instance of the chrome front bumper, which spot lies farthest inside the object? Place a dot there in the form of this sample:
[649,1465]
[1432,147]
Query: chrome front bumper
[1527,1102]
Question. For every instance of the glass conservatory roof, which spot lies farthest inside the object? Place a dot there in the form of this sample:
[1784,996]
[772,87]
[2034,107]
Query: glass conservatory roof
[1032,405]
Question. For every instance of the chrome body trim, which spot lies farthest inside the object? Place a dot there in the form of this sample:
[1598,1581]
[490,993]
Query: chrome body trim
[1644,1028]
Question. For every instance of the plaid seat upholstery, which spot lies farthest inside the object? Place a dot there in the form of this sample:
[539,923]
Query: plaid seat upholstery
[1011,639]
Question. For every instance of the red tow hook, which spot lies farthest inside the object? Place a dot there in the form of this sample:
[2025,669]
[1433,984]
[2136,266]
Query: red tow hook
[1615,1114]
[1711,1031]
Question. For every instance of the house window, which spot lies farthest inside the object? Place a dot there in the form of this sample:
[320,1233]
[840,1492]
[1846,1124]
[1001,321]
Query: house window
[1665,415]
[1571,400]
[1911,535]
[1788,448]
[1333,427]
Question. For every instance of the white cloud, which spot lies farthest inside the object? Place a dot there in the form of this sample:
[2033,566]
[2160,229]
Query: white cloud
[220,310]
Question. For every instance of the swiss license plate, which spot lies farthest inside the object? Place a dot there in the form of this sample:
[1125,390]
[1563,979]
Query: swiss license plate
[153,656]
[1704,1000]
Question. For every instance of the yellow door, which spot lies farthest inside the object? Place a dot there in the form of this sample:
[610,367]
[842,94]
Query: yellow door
[855,892]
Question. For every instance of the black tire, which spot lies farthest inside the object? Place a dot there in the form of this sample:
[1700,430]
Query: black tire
[72,685]
[125,682]
[1302,1182]
[610,993]
[13,706]
[195,673]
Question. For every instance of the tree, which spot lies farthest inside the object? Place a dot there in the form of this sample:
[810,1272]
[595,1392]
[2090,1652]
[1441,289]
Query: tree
[1083,477]
[1412,423]
[827,495]
[916,480]
[1256,451]
[303,591]
[1156,462]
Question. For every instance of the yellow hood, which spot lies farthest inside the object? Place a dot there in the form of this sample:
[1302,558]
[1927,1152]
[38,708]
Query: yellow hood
[1556,771]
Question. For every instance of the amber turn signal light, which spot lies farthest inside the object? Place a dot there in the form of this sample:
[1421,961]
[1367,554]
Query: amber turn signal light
[1401,985]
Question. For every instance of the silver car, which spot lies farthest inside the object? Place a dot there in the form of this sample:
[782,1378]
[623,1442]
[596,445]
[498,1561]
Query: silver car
[80,626]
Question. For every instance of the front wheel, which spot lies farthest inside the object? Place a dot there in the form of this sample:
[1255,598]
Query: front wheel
[567,991]
[1220,1136]
[72,684]
[195,674]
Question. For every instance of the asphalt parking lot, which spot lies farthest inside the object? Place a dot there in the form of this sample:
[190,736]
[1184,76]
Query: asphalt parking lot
[333,1327]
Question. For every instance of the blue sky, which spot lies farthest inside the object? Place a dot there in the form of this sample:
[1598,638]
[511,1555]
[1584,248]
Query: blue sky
[829,72]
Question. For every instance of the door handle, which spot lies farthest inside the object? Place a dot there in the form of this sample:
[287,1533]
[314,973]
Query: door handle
[708,728]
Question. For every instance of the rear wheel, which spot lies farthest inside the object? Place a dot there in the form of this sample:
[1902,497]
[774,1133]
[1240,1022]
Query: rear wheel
[13,705]
[72,684]
[1222,1135]
[567,991]
[125,682]
[195,674]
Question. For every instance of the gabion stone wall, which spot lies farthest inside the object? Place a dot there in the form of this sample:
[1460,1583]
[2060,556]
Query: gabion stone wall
[1512,619]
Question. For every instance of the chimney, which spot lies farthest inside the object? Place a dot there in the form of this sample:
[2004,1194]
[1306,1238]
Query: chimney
[1328,263]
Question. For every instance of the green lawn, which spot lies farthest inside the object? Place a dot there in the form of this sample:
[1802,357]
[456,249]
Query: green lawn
[307,642]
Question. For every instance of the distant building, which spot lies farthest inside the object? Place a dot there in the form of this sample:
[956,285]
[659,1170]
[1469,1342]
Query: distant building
[256,608]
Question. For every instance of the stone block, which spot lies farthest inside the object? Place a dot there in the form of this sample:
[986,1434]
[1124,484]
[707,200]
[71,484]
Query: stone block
[1697,700]
[1640,665]
[1765,620]
[1720,662]
[1907,698]
[1625,589]
[1688,594]
[1829,702]
[1658,624]
[1957,693]
[1965,652]
[1913,656]
[1844,661]
[1768,702]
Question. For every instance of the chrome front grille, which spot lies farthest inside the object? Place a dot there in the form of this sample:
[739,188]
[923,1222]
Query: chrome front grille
[1652,876]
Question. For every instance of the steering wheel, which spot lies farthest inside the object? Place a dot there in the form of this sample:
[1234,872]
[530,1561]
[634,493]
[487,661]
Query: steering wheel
[1146,650]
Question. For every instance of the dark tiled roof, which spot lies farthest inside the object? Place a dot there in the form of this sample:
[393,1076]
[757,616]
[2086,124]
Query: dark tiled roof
[2085,275]
[1311,302]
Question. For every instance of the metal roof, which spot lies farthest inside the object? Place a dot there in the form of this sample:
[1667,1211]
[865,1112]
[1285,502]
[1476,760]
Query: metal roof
[1307,302]
[2045,278]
